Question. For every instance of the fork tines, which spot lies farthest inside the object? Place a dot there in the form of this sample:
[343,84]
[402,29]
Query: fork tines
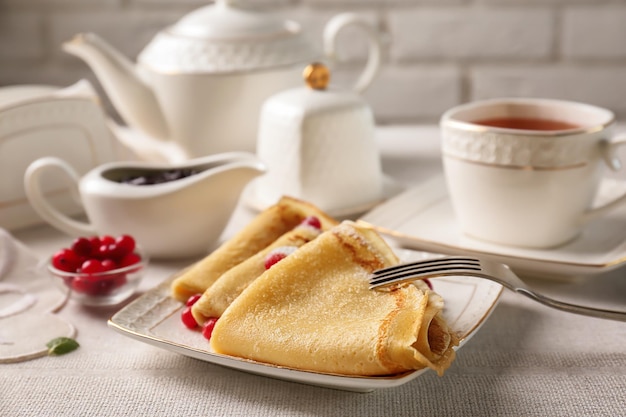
[430,267]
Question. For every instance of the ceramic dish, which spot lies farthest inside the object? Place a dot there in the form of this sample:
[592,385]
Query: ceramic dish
[37,121]
[422,218]
[154,318]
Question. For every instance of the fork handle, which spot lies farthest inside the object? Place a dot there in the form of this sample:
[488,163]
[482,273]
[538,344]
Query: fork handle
[576,309]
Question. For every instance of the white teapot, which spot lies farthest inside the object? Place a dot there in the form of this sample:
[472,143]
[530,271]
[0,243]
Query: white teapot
[200,83]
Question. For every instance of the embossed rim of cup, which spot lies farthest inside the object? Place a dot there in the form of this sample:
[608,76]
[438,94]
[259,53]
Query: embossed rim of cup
[520,149]
[460,117]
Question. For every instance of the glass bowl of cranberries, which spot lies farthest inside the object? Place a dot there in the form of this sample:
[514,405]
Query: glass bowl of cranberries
[99,270]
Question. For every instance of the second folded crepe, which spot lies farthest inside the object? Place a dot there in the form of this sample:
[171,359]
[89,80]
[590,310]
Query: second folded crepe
[234,281]
[264,229]
[314,311]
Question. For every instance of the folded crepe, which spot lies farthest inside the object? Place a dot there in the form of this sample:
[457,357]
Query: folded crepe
[314,311]
[232,283]
[264,229]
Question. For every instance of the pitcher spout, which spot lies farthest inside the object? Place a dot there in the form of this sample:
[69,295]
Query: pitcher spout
[133,98]
[227,173]
[236,169]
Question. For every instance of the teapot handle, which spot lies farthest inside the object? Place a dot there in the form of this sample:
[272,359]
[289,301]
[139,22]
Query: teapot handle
[32,185]
[331,31]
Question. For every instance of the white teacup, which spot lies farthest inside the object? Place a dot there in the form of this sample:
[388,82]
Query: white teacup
[524,172]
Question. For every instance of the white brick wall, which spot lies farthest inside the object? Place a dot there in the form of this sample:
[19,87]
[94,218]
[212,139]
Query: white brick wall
[594,32]
[471,33]
[439,52]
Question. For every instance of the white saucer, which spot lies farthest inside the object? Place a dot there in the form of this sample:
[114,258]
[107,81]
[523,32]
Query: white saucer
[422,218]
[391,188]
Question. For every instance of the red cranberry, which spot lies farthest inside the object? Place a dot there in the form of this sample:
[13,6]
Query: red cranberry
[312,221]
[107,240]
[91,266]
[186,316]
[66,260]
[188,320]
[82,246]
[103,286]
[101,251]
[274,258]
[107,283]
[208,326]
[97,286]
[278,254]
[113,251]
[119,280]
[108,265]
[85,284]
[130,259]
[192,300]
[126,244]
[95,242]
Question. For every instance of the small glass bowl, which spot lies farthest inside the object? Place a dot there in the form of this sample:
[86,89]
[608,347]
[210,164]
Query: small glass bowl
[103,288]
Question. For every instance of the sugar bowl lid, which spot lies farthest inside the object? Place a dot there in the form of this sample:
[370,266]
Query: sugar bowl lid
[316,98]
[223,38]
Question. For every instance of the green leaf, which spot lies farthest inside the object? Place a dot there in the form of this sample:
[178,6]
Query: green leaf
[61,345]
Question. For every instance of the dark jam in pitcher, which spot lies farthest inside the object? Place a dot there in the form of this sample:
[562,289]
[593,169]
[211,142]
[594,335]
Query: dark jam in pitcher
[158,177]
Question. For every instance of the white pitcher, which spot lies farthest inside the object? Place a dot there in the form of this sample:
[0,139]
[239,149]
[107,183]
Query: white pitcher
[175,219]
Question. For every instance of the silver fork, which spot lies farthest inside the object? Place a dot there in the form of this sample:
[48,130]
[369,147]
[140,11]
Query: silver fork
[468,266]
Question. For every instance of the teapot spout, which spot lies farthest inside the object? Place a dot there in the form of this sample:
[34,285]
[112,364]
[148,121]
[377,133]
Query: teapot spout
[130,94]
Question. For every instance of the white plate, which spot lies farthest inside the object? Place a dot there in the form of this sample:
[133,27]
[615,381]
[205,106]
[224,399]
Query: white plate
[422,218]
[154,318]
[391,188]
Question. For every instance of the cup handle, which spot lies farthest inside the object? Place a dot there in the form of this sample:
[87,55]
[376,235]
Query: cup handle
[331,32]
[609,154]
[32,186]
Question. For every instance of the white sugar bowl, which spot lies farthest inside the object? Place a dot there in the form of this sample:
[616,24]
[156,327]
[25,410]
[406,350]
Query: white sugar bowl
[319,145]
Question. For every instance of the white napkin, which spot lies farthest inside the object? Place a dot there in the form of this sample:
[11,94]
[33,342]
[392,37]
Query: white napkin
[28,297]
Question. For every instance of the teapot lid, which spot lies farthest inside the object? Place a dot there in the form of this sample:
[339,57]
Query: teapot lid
[224,38]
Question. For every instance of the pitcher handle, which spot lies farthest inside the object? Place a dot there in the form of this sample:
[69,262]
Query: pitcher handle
[609,153]
[341,21]
[35,194]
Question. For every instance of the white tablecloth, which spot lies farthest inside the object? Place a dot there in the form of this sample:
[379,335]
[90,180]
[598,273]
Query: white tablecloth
[527,359]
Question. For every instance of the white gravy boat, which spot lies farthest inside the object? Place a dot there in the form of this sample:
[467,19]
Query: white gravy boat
[175,219]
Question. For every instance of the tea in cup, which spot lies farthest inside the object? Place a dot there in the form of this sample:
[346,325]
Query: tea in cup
[525,171]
